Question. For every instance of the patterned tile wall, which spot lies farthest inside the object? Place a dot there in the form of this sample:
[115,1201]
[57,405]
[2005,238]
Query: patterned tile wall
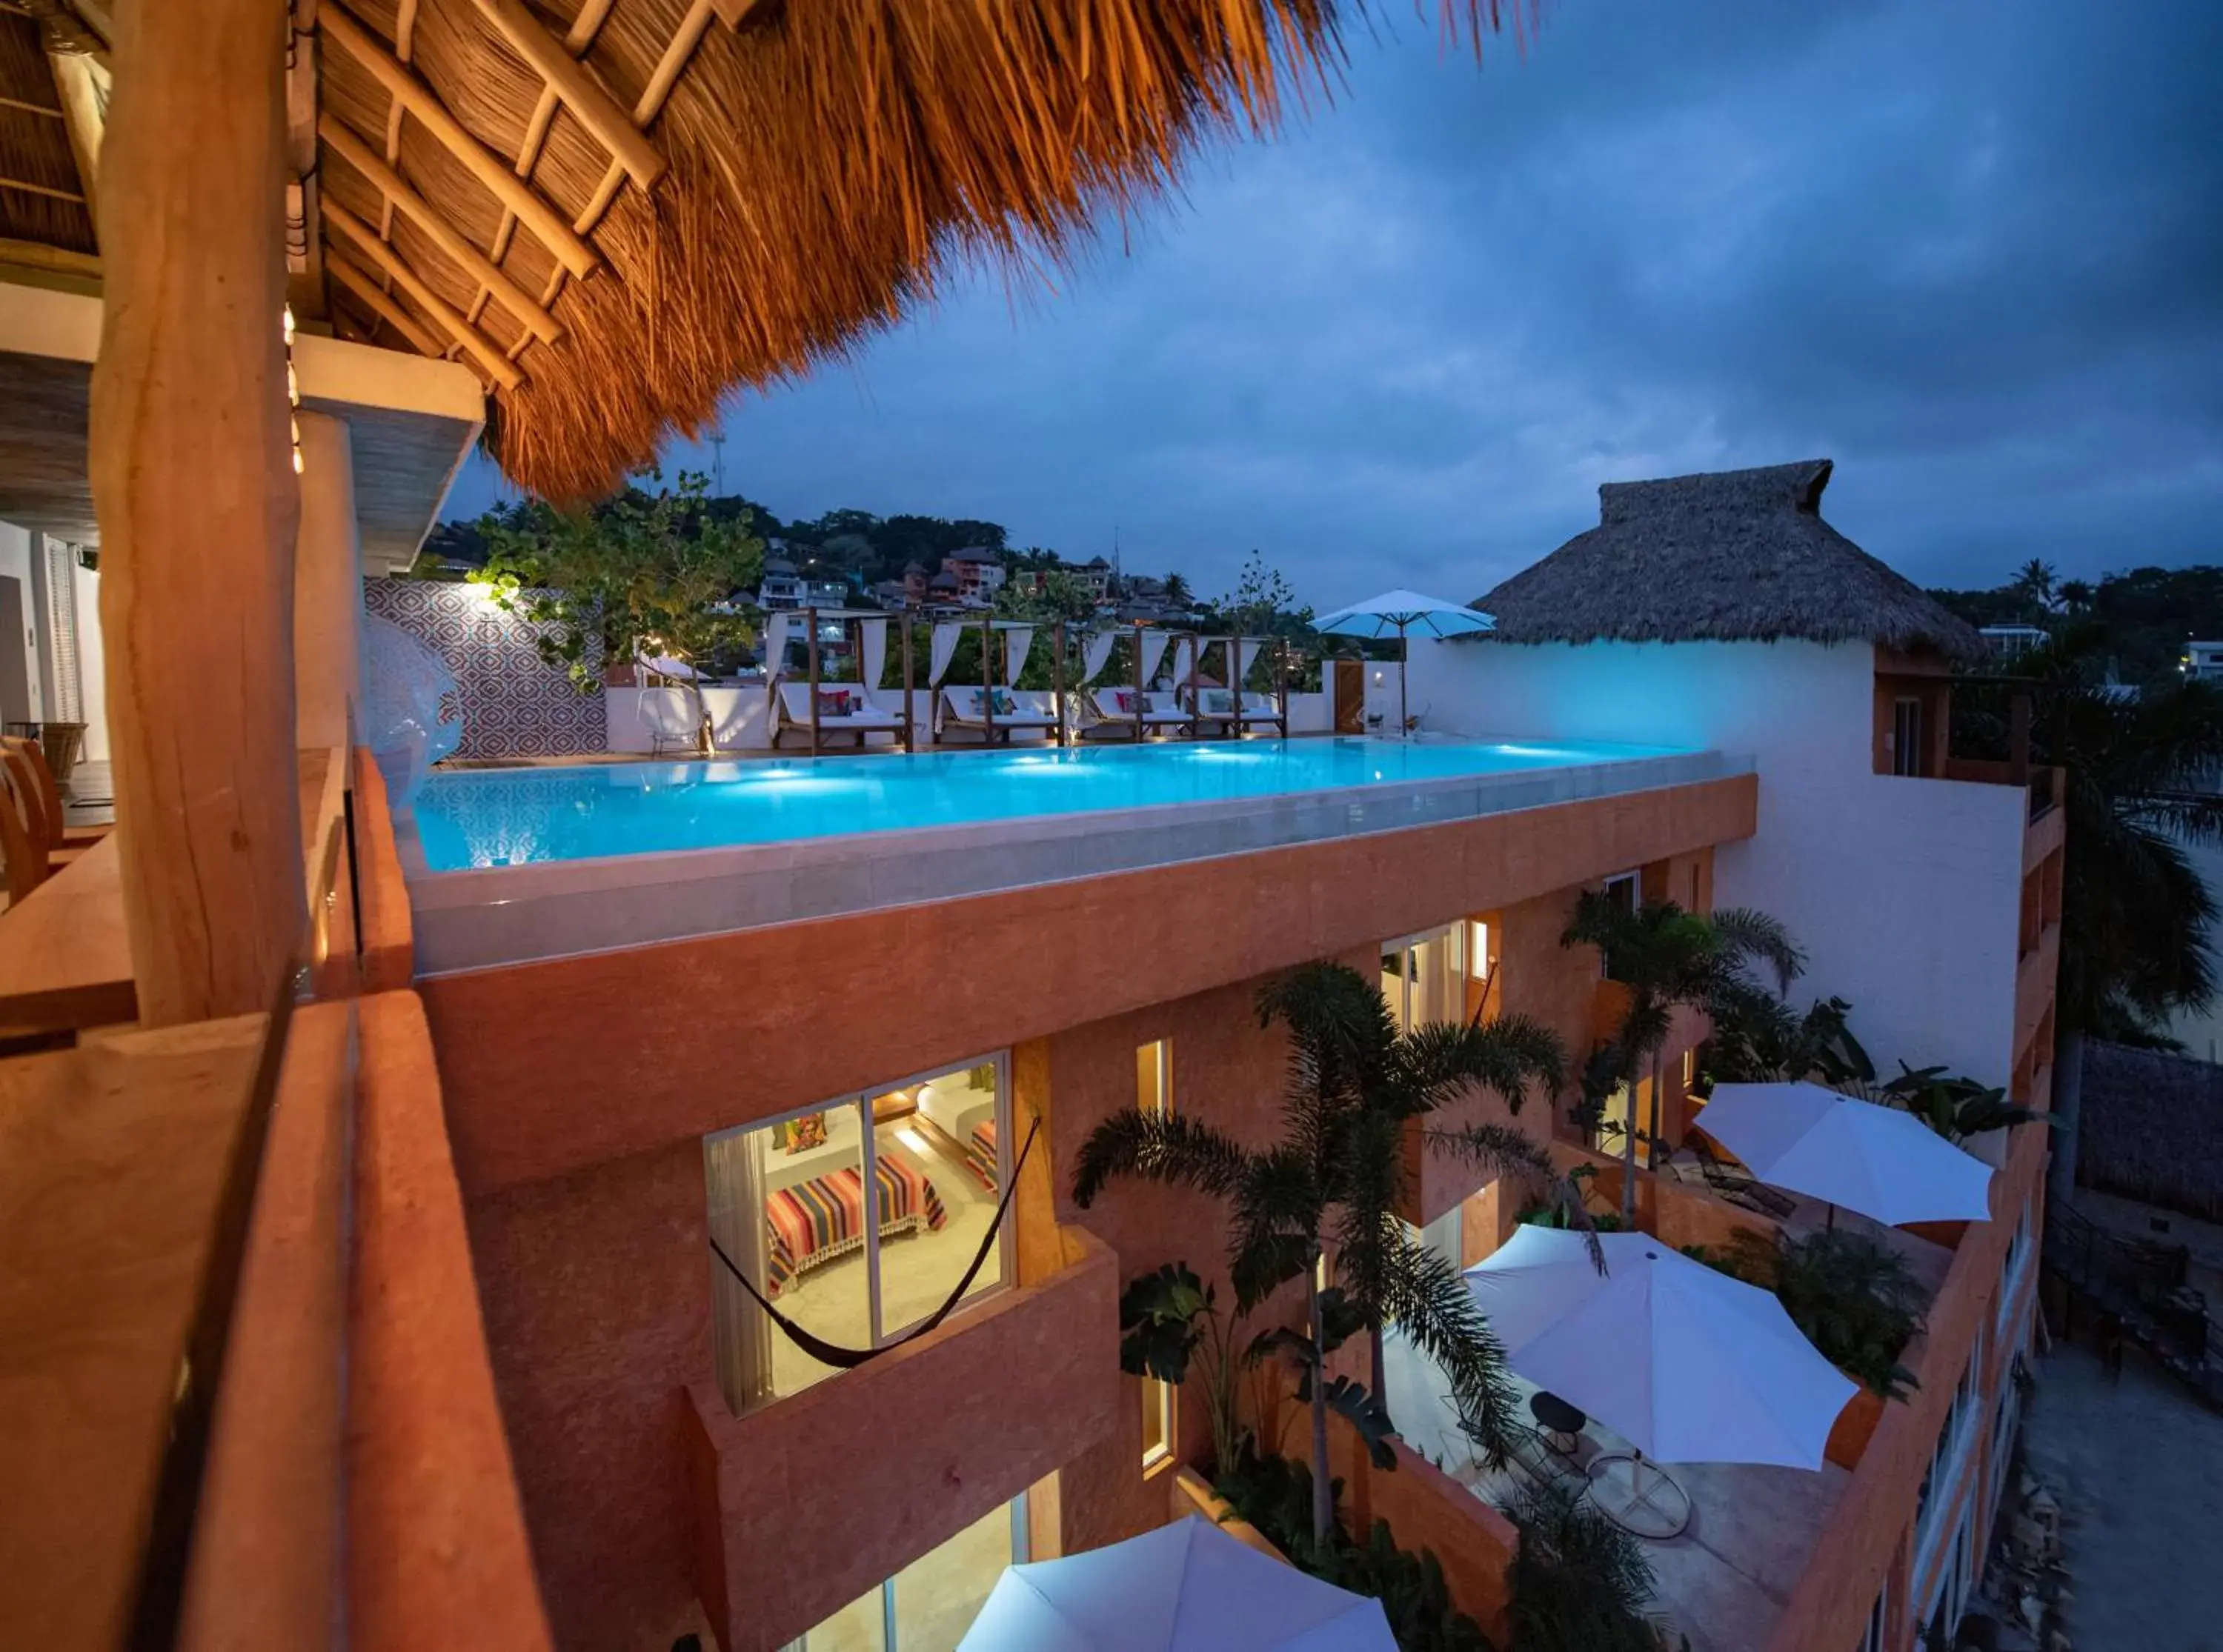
[515,704]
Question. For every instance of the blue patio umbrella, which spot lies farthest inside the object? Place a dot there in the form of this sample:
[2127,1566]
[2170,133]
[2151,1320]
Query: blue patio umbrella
[1186,1587]
[1404,612]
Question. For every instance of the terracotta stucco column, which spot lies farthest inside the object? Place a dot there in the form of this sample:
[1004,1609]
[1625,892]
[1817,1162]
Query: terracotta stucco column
[192,481]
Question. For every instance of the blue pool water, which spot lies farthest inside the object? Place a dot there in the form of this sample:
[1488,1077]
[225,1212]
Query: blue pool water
[477,818]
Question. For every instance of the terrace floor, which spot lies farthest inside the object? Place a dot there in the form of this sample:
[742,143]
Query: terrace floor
[1724,1581]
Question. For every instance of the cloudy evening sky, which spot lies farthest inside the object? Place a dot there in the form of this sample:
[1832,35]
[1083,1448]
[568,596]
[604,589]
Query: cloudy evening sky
[1971,249]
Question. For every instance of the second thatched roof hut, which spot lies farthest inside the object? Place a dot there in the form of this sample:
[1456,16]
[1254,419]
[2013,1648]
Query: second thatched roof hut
[1727,556]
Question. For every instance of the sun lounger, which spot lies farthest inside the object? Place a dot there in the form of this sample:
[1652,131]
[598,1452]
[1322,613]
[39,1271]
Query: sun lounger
[843,708]
[669,716]
[965,708]
[1114,709]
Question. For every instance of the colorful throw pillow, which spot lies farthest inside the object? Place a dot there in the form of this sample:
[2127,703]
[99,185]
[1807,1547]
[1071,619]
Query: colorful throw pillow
[833,702]
[809,1131]
[1122,701]
[1002,701]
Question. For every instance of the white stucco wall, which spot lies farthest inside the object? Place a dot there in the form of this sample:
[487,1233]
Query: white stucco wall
[92,666]
[1906,893]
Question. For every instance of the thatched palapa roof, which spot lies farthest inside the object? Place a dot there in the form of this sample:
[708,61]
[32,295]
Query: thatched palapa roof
[620,211]
[1729,556]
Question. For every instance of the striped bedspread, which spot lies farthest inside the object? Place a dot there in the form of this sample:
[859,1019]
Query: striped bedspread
[816,1221]
[980,1154]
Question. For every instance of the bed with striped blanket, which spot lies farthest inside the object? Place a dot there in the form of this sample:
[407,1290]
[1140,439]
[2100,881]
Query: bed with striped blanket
[816,1221]
[980,1153]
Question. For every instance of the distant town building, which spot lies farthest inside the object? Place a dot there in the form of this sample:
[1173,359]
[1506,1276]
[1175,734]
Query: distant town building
[2011,641]
[2202,661]
[785,586]
[978,572]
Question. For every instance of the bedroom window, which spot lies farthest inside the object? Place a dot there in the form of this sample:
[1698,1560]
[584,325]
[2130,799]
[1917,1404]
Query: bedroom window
[856,1218]
[1424,977]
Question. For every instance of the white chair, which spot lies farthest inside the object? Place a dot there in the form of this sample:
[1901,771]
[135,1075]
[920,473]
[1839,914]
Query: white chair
[668,714]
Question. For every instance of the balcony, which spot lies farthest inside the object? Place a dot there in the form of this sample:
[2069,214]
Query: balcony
[967,1416]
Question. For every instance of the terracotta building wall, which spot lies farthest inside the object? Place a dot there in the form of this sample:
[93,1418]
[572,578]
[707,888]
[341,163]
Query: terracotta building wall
[554,1065]
[596,1289]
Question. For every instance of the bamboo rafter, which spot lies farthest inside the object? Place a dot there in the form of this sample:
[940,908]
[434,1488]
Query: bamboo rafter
[405,47]
[498,365]
[572,252]
[365,285]
[576,41]
[669,67]
[579,87]
[396,192]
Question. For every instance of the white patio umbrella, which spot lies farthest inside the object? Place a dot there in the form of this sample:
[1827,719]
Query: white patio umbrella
[1186,1587]
[1880,1161]
[1686,1364]
[1404,611]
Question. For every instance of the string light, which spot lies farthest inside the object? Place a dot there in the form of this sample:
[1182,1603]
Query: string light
[293,391]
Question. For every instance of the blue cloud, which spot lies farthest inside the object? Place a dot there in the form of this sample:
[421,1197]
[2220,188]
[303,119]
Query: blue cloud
[1972,252]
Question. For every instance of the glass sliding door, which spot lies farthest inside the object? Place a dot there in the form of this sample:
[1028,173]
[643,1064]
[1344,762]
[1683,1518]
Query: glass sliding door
[1424,977]
[928,1605]
[856,1218]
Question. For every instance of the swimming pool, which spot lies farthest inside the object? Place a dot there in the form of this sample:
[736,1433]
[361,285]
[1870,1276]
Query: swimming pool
[492,818]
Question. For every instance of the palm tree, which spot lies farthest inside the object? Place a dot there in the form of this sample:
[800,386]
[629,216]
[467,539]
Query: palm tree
[1177,591]
[1335,1180]
[2035,581]
[2076,595]
[2144,780]
[1667,959]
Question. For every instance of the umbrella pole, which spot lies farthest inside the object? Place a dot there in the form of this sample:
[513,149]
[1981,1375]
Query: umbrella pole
[1404,655]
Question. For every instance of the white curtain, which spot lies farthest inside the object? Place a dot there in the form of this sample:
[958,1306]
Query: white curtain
[1184,658]
[1154,649]
[775,644]
[1016,643]
[1095,654]
[871,653]
[1237,651]
[946,633]
[734,1177]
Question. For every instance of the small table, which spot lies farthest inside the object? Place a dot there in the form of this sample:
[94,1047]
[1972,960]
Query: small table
[1562,1423]
[1638,1496]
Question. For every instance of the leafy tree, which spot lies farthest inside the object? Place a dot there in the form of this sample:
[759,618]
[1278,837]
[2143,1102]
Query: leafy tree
[1855,1299]
[2137,921]
[1667,959]
[644,573]
[1757,1039]
[1060,598]
[1336,1176]
[1579,1583]
[1178,595]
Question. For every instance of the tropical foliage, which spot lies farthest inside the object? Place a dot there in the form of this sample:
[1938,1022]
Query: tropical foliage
[1170,1320]
[1855,1299]
[1759,1039]
[1667,958]
[2137,921]
[1955,1108]
[1579,1582]
[1336,1178]
[1276,1495]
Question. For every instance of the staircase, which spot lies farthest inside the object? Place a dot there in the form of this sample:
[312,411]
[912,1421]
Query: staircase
[2139,1286]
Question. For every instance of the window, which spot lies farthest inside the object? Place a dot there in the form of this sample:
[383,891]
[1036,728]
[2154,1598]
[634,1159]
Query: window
[1154,1095]
[1478,959]
[928,1605]
[1154,1077]
[1623,892]
[1424,977]
[1908,755]
[856,1218]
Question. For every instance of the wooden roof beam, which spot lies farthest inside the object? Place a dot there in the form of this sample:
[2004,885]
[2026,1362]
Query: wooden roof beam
[579,87]
[531,208]
[498,365]
[395,188]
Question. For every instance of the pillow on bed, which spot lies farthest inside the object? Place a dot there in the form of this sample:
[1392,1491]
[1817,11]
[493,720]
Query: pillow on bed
[809,1131]
[1122,701]
[1216,702]
[833,702]
[1002,701]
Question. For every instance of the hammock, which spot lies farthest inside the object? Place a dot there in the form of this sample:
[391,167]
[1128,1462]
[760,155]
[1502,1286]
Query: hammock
[848,1359]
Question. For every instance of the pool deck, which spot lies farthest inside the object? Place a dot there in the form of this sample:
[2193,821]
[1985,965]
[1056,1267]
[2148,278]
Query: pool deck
[486,917]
